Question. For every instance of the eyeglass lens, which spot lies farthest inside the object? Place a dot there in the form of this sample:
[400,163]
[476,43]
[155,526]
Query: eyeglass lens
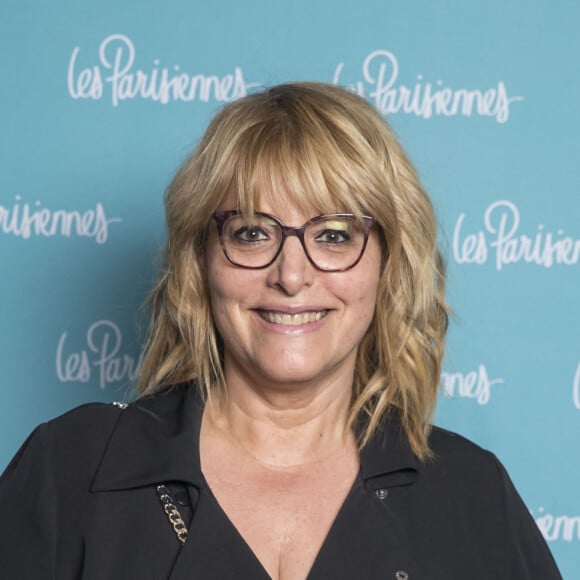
[334,242]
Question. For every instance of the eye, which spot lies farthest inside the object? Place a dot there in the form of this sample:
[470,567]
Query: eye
[334,232]
[329,236]
[250,234]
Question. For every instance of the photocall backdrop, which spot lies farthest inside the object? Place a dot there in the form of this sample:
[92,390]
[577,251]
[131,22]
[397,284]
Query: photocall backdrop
[101,101]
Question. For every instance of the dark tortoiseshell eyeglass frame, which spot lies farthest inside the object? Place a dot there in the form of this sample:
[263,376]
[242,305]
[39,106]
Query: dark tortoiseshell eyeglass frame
[221,217]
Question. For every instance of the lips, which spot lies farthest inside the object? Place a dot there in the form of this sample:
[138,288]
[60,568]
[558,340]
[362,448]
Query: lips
[298,319]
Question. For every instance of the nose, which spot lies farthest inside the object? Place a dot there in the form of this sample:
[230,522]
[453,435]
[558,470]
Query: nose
[292,269]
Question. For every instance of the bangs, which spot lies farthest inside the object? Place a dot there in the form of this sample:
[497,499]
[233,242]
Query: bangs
[287,164]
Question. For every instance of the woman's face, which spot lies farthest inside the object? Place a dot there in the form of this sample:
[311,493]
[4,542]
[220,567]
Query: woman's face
[268,318]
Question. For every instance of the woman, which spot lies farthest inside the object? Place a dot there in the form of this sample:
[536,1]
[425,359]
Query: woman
[284,425]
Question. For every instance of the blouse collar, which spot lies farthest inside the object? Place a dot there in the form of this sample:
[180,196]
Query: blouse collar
[156,439]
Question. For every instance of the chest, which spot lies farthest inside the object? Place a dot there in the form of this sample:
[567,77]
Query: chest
[128,535]
[284,516]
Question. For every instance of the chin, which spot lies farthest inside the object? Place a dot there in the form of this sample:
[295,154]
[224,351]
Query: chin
[287,377]
[295,374]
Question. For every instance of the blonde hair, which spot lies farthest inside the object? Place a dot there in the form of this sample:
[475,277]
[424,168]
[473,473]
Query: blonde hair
[330,151]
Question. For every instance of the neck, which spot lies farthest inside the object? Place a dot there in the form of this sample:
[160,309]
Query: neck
[288,427]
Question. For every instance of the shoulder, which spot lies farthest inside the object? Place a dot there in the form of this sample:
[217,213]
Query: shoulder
[466,480]
[71,447]
[463,468]
[469,478]
[455,451]
[79,433]
[88,418]
[92,422]
[86,429]
[89,426]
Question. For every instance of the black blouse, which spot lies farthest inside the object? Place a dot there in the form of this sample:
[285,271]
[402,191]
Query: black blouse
[79,501]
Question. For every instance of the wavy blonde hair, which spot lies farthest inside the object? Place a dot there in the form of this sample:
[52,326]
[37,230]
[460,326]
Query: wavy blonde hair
[330,151]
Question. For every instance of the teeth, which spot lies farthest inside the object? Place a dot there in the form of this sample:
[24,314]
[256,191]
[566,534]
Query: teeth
[293,319]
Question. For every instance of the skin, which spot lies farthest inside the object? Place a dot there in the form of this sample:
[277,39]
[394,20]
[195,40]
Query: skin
[276,360]
[280,434]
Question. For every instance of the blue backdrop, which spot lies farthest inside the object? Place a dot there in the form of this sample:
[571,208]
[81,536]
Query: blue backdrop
[101,101]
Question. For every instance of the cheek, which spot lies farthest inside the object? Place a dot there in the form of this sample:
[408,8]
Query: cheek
[371,275]
[230,290]
[358,294]
[363,296]
[218,286]
[219,274]
[367,305]
[222,299]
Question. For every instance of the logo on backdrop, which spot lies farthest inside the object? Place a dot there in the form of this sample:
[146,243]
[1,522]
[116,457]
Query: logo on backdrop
[472,385]
[576,388]
[501,238]
[26,220]
[557,528]
[102,358]
[379,84]
[114,75]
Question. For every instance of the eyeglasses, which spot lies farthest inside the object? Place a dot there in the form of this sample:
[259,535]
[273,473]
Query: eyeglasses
[332,243]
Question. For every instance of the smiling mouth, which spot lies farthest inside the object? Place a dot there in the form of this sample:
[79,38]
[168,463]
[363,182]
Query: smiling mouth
[292,319]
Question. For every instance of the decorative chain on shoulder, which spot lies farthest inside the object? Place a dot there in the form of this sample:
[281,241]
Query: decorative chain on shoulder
[172,512]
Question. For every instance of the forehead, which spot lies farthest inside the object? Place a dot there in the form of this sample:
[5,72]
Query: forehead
[285,207]
[292,195]
[293,169]
[319,155]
